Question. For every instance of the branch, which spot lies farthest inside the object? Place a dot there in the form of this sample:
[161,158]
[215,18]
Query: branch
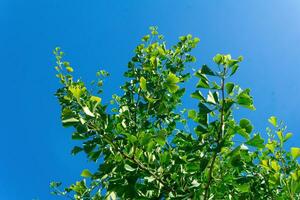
[220,135]
[137,162]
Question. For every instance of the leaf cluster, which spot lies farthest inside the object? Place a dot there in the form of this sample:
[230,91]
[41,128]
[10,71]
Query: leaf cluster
[147,151]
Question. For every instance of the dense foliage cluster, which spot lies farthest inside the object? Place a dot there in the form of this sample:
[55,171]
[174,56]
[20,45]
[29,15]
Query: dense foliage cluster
[145,146]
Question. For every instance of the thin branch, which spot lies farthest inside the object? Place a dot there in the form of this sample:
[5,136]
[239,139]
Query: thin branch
[220,135]
[137,162]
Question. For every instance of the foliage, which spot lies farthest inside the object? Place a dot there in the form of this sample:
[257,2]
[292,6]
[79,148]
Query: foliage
[147,150]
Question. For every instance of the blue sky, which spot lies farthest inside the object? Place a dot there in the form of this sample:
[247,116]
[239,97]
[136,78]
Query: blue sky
[35,149]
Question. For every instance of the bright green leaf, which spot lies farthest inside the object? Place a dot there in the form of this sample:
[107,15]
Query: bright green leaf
[192,114]
[275,165]
[229,88]
[69,122]
[295,152]
[243,187]
[234,69]
[69,69]
[198,95]
[271,146]
[129,168]
[87,111]
[280,136]
[273,120]
[256,141]
[288,136]
[218,59]
[171,82]
[246,124]
[143,84]
[96,99]
[86,173]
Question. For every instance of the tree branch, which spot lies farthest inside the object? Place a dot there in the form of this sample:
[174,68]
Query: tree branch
[220,135]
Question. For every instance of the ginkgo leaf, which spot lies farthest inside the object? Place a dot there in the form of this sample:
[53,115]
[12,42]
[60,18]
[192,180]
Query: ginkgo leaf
[86,173]
[256,141]
[143,84]
[271,146]
[96,99]
[275,165]
[273,120]
[295,152]
[87,111]
[129,168]
[172,78]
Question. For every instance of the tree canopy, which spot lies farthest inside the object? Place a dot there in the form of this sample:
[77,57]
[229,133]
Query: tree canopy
[144,138]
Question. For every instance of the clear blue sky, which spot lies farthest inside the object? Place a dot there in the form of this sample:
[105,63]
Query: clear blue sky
[35,149]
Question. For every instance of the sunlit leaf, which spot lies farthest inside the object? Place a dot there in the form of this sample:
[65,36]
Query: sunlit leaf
[256,141]
[143,84]
[86,173]
[273,121]
[295,152]
[129,168]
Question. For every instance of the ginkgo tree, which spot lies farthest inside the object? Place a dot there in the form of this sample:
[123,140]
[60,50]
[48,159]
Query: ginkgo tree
[145,142]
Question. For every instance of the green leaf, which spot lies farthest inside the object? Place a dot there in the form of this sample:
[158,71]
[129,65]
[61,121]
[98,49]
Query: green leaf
[246,124]
[244,99]
[129,168]
[76,150]
[86,173]
[240,58]
[256,141]
[172,78]
[295,152]
[288,136]
[243,188]
[192,114]
[273,121]
[143,84]
[227,105]
[87,111]
[196,40]
[206,70]
[69,122]
[111,196]
[146,38]
[161,138]
[218,59]
[69,69]
[171,82]
[203,108]
[96,99]
[234,69]
[131,138]
[215,86]
[271,146]
[275,165]
[202,84]
[280,136]
[78,136]
[149,178]
[55,184]
[154,61]
[213,97]
[198,95]
[242,132]
[150,145]
[229,88]
[151,100]
[76,91]
[172,88]
[145,138]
